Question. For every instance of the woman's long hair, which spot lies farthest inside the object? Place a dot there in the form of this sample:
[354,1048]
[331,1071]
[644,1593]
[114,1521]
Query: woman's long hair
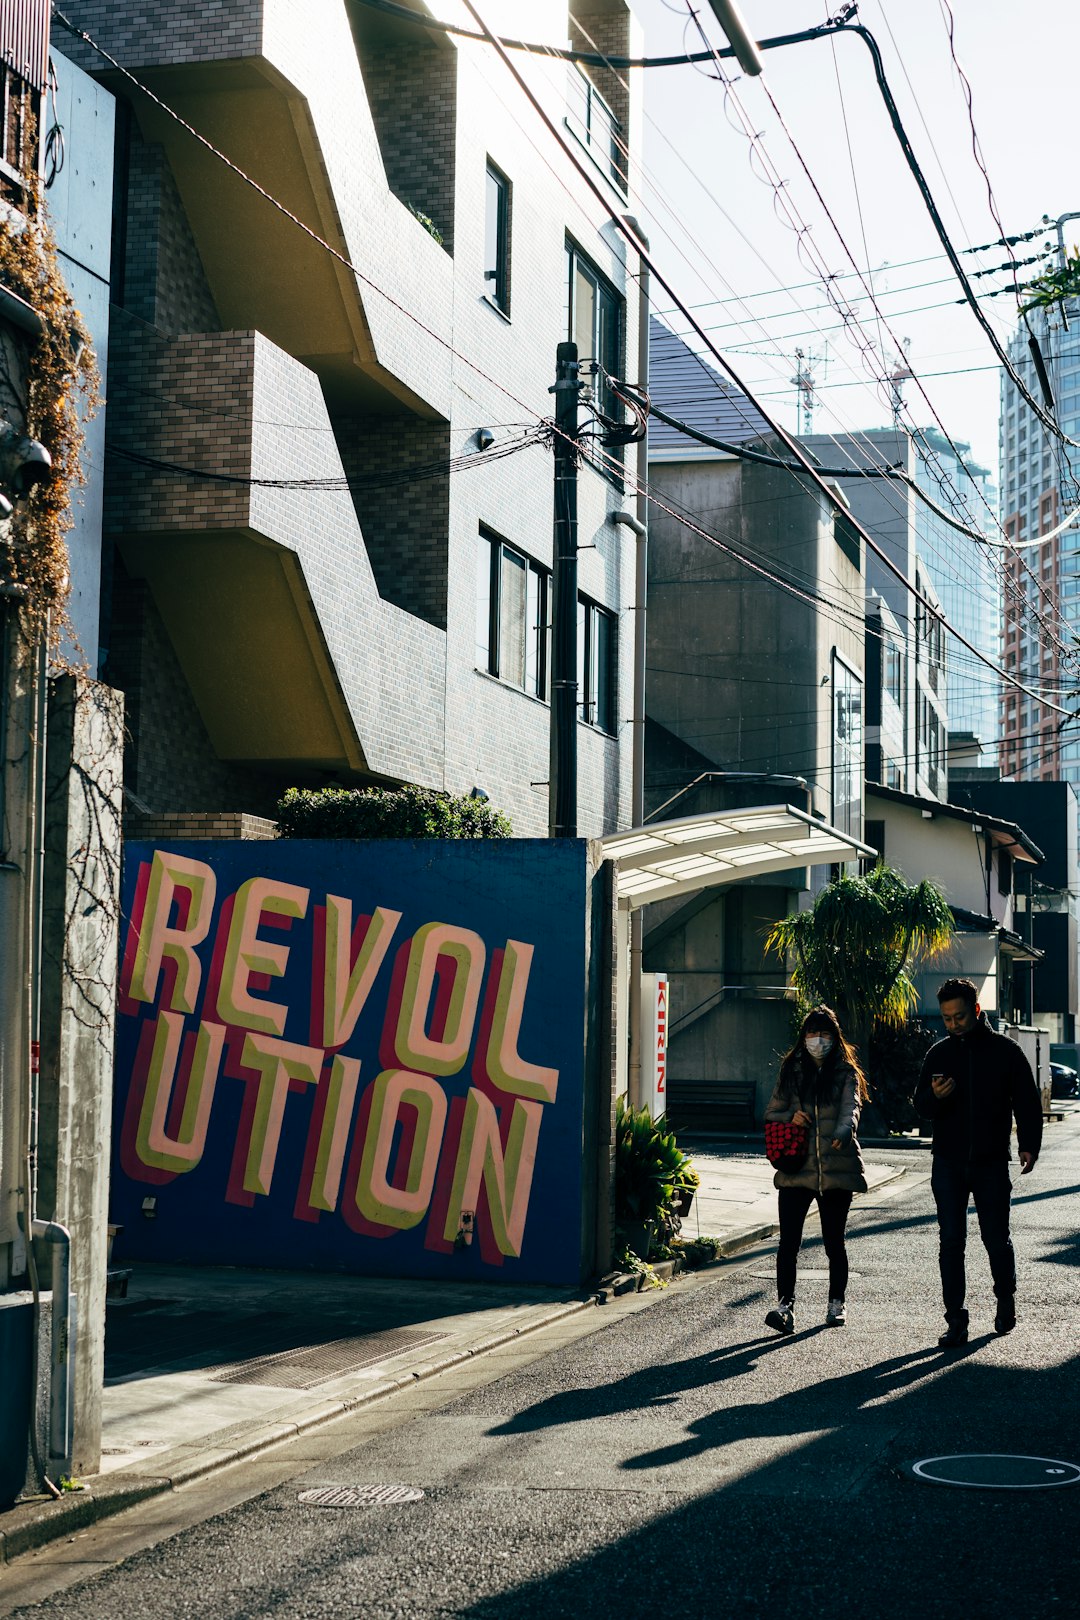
[800,1074]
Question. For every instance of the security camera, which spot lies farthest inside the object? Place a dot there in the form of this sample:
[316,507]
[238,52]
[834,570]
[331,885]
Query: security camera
[24,462]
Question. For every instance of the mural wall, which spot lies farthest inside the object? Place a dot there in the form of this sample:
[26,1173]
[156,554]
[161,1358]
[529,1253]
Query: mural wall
[366,1057]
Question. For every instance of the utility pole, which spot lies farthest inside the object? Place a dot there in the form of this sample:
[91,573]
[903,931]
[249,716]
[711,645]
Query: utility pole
[562,786]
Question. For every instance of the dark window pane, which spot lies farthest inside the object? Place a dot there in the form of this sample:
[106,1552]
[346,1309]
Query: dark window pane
[497,239]
[604,676]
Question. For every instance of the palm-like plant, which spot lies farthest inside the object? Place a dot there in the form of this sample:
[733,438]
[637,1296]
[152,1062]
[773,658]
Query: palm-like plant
[1055,284]
[855,948]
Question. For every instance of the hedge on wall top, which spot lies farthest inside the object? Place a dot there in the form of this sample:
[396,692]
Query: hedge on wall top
[408,812]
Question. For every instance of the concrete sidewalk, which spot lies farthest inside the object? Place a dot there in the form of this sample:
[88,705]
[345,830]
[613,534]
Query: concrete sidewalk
[207,1366]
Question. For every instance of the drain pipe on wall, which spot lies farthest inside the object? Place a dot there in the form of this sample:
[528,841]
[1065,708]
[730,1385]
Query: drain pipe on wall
[639,526]
[61,1356]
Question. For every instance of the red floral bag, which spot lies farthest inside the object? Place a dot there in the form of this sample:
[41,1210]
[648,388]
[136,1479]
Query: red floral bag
[786,1144]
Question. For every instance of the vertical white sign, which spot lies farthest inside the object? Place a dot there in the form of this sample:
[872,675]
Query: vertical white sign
[654,1039]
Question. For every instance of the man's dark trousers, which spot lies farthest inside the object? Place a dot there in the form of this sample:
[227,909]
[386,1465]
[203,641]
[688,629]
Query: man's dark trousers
[953,1180]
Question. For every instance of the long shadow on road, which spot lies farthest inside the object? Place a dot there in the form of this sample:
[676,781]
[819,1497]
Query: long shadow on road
[806,1502]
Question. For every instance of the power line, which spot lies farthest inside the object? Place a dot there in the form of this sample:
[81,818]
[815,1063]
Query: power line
[630,236]
[848,315]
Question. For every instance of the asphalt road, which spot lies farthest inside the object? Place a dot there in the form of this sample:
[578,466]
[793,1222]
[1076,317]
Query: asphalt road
[671,1457]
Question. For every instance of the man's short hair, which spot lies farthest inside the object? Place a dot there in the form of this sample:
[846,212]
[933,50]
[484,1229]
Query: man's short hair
[958,990]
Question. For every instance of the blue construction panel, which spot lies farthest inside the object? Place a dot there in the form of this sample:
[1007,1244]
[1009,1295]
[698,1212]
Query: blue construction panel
[364,1056]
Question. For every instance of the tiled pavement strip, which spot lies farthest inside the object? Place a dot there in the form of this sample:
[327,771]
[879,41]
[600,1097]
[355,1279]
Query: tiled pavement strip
[167,1424]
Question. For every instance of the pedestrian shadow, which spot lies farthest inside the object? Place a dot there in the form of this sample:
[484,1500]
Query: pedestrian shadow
[848,1466]
[825,1403]
[654,1387]
[649,1387]
[1067,1249]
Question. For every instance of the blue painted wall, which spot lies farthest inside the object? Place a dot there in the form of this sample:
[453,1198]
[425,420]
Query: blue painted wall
[429,1122]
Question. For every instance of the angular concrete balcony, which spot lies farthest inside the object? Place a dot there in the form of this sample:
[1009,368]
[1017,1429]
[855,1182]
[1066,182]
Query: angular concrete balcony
[235,508]
[277,87]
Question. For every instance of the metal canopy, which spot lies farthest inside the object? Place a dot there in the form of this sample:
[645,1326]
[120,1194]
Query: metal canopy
[669,858]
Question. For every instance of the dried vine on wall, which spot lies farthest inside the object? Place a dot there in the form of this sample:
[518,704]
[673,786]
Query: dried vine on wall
[57,389]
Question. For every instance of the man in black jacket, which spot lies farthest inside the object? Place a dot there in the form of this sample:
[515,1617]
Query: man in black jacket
[972,1085]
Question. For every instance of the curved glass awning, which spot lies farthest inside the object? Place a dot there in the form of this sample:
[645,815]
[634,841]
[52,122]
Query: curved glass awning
[668,858]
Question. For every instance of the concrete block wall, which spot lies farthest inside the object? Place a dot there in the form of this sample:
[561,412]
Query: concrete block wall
[164,32]
[403,510]
[413,99]
[163,281]
[607,34]
[80,936]
[187,401]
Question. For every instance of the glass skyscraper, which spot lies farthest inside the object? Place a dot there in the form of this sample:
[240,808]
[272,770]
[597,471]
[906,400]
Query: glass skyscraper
[1040,487]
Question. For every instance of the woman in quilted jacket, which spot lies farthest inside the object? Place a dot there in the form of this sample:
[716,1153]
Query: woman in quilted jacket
[821,1086]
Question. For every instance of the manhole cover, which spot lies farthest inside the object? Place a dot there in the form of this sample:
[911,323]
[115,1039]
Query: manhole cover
[360,1495]
[997,1471]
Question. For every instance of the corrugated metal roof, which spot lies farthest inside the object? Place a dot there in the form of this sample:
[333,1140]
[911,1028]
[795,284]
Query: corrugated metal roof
[24,39]
[686,386]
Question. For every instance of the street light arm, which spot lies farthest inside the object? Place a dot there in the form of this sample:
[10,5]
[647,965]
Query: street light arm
[731,21]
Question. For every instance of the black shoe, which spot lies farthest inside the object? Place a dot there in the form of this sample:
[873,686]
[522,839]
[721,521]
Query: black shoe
[955,1335]
[1005,1320]
[782,1317]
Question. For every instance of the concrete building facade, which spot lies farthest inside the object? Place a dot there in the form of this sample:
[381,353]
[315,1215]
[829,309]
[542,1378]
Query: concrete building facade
[329,495]
[755,692]
[985,866]
[912,658]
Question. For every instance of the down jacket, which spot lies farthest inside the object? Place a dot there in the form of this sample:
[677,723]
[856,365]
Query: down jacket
[994,1083]
[826,1168]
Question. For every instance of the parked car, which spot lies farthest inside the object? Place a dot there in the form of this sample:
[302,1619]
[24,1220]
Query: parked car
[1064,1082]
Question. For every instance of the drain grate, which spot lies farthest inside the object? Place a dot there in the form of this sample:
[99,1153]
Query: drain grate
[996,1471]
[360,1495]
[313,1364]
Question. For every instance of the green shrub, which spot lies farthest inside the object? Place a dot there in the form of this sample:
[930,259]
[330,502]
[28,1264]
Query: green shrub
[650,1167]
[408,812]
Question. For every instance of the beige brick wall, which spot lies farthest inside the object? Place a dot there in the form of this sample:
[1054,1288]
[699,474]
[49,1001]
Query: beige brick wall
[213,824]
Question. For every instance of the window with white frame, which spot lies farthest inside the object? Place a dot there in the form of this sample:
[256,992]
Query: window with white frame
[596,665]
[513,615]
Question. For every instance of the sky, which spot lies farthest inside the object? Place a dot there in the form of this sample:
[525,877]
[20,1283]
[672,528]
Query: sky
[754,259]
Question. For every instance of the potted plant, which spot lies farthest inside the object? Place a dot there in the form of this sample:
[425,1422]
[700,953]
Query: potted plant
[653,1177]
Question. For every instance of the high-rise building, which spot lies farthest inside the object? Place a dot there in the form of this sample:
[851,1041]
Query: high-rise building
[1040,486]
[967,580]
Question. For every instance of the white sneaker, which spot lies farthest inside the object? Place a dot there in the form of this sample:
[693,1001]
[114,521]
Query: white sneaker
[836,1315]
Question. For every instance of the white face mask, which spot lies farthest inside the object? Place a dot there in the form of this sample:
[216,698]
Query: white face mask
[819,1046]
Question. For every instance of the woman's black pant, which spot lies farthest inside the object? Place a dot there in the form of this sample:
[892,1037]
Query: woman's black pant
[833,1206]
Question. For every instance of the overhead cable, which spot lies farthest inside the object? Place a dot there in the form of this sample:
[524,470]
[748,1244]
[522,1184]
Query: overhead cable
[633,238]
[630,235]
